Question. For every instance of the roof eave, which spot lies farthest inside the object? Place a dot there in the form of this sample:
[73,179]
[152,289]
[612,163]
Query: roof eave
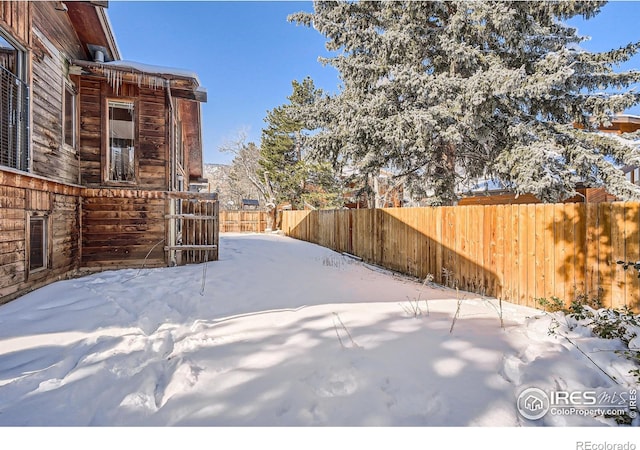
[184,87]
[108,32]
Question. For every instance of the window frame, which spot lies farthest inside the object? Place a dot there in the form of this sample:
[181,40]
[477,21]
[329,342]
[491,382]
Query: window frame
[106,159]
[21,54]
[45,248]
[68,86]
[21,73]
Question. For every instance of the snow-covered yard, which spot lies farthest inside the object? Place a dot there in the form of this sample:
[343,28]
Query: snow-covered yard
[281,332]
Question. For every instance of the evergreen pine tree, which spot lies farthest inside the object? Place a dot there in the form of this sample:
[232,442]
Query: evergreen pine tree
[294,175]
[444,93]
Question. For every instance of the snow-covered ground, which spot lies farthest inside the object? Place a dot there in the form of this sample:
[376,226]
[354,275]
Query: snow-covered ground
[286,333]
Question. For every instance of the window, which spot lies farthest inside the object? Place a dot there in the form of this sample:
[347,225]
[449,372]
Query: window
[14,106]
[37,243]
[121,144]
[69,116]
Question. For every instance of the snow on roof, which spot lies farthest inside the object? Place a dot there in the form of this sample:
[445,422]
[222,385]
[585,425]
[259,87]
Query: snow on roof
[153,70]
[626,116]
[485,185]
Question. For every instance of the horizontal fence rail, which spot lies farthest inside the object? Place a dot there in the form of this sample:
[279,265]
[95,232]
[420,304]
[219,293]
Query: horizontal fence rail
[520,253]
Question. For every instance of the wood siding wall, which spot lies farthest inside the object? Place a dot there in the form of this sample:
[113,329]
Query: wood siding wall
[152,151]
[16,17]
[154,146]
[94,228]
[90,132]
[21,195]
[515,252]
[243,221]
[48,36]
[50,157]
[120,228]
[57,28]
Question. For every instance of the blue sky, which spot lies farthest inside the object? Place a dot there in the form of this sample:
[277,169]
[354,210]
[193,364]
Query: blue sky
[246,53]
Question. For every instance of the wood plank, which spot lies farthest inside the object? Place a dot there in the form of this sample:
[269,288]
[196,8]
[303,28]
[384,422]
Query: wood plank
[560,255]
[618,253]
[549,251]
[501,288]
[568,270]
[632,253]
[530,257]
[12,246]
[605,263]
[426,248]
[11,224]
[462,262]
[438,243]
[592,252]
[449,234]
[539,255]
[523,255]
[11,236]
[11,258]
[401,247]
[12,213]
[490,251]
[581,245]
[191,247]
[474,233]
[511,289]
[12,272]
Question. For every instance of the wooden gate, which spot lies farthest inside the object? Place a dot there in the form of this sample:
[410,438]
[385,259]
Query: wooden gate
[193,227]
[243,221]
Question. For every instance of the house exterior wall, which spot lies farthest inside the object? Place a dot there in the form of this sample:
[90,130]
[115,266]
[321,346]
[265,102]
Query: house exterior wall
[89,222]
[123,228]
[56,27]
[47,190]
[53,44]
[152,143]
[23,195]
[50,157]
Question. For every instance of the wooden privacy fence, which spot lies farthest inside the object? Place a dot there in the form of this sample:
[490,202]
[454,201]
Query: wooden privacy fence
[516,252]
[243,221]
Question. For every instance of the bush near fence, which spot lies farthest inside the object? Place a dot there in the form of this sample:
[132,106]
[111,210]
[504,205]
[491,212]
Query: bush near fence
[516,252]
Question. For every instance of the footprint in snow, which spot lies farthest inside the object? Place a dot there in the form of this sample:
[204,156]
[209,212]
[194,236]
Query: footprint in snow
[511,369]
[338,383]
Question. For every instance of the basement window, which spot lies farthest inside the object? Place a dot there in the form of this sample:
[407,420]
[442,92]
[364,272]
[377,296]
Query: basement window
[37,243]
[121,144]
